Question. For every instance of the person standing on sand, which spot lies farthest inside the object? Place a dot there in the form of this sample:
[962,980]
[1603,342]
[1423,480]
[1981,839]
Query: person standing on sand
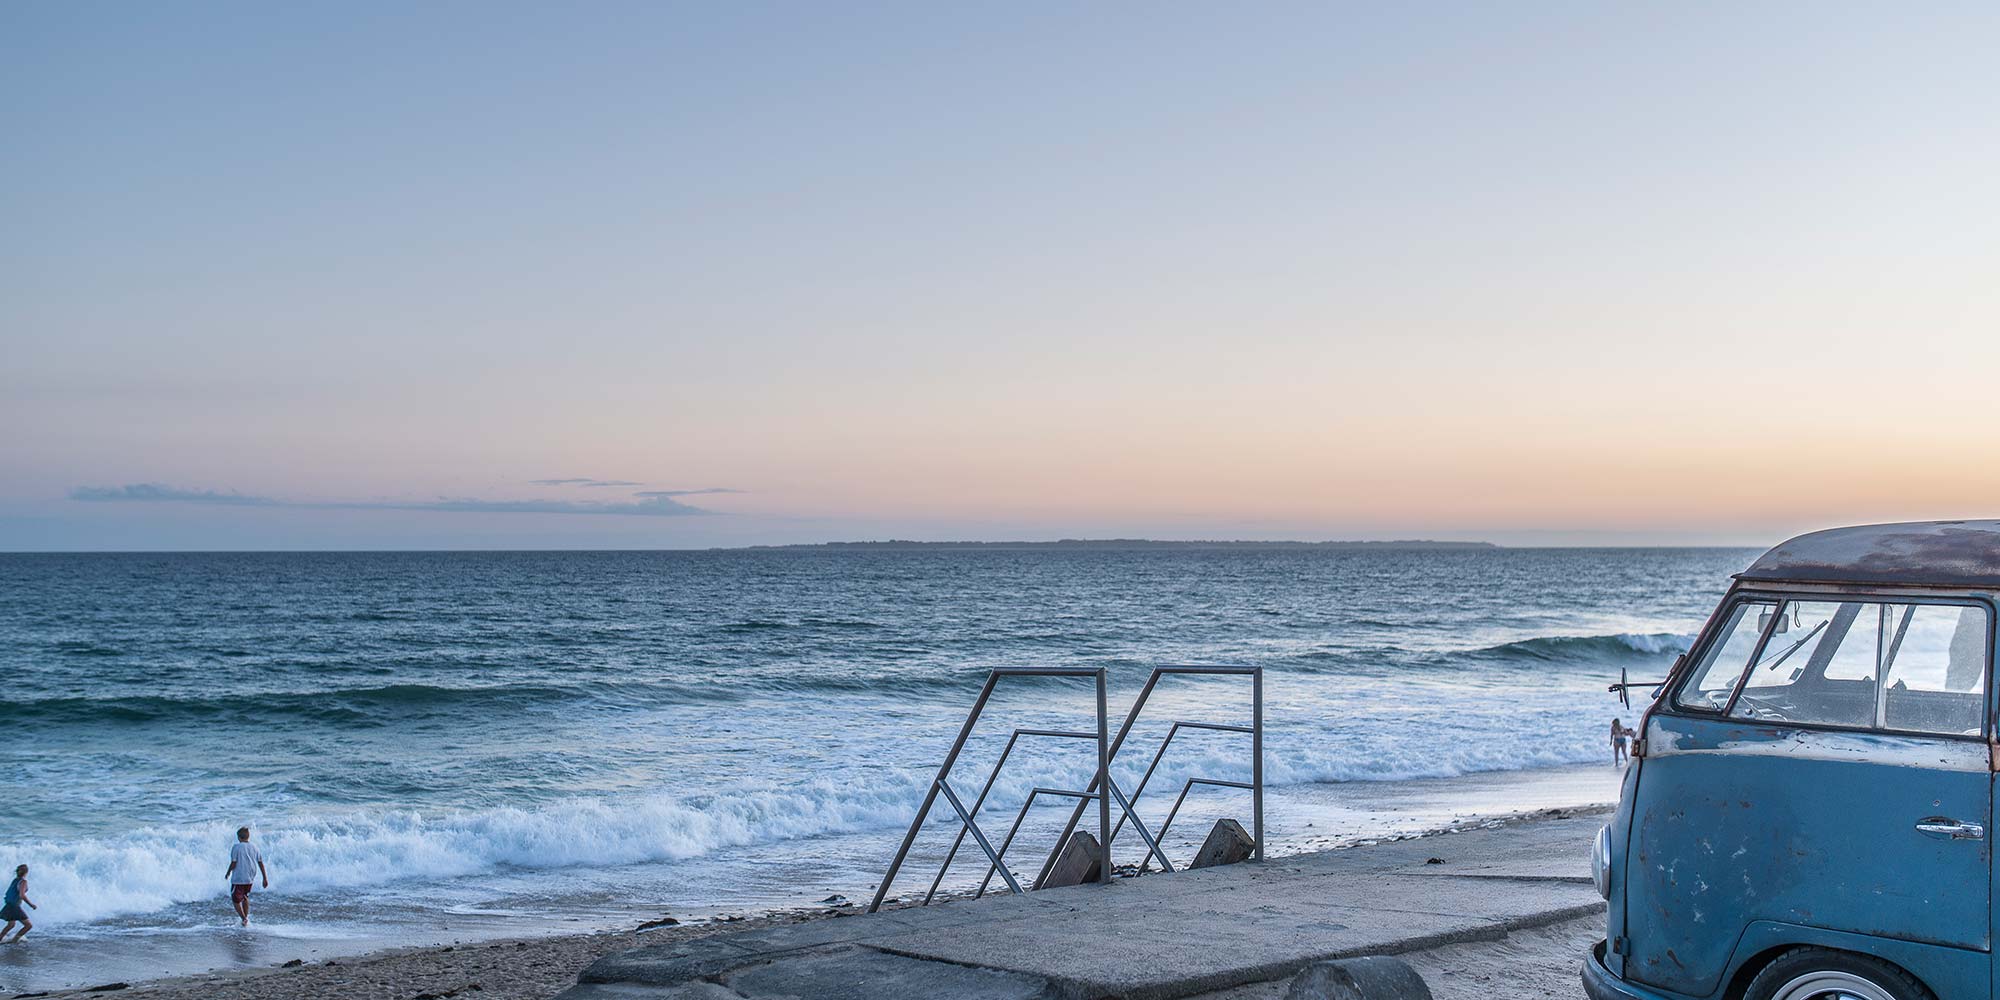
[17,893]
[243,856]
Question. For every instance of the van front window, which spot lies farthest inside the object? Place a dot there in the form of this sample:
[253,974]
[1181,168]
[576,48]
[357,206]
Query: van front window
[1875,665]
[1711,684]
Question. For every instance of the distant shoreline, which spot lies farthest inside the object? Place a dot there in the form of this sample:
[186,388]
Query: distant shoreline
[1102,544]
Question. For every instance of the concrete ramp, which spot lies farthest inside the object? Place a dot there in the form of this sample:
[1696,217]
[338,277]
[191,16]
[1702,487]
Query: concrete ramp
[1154,938]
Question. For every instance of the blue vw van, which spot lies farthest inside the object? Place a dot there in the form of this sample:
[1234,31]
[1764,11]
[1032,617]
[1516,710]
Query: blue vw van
[1808,808]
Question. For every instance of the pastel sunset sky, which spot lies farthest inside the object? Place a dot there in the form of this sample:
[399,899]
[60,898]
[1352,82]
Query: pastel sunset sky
[675,274]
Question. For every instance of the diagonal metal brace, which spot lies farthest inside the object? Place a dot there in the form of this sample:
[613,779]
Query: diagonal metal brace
[978,835]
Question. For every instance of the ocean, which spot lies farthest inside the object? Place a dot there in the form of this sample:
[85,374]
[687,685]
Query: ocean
[436,746]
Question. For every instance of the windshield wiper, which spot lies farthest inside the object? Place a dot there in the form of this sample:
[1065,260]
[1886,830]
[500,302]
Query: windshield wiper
[1795,647]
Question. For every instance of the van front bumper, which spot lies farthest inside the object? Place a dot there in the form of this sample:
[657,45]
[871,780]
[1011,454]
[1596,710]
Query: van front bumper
[1600,984]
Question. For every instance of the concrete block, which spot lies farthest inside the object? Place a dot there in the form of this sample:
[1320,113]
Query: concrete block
[668,964]
[1371,978]
[1082,860]
[852,973]
[1227,844]
[813,934]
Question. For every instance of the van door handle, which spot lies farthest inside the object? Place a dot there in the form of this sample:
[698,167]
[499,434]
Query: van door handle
[1950,829]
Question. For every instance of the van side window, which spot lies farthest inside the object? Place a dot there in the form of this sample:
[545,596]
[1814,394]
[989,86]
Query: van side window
[1936,680]
[1872,665]
[1714,680]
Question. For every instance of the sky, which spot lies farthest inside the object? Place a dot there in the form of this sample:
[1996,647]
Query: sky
[496,275]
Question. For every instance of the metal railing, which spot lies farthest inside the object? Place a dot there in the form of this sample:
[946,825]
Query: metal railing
[1255,729]
[1107,750]
[968,819]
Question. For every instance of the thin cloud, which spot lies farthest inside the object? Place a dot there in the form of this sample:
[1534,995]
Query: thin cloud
[651,506]
[156,493]
[654,503]
[584,481]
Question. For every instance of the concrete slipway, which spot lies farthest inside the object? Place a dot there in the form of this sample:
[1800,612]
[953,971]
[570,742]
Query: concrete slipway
[1152,938]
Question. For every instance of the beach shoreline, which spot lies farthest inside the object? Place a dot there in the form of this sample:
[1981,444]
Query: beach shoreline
[486,747]
[534,968]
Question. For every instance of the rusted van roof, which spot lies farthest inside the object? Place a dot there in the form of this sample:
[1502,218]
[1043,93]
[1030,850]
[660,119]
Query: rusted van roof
[1917,553]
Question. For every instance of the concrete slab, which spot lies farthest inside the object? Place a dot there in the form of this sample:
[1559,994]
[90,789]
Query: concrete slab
[1546,870]
[1149,963]
[812,934]
[1158,937]
[669,964]
[850,973]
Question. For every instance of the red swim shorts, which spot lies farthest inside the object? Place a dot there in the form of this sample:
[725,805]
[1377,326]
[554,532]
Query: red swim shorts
[239,891]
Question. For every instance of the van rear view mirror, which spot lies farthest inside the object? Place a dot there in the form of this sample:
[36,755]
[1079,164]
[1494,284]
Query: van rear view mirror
[1764,622]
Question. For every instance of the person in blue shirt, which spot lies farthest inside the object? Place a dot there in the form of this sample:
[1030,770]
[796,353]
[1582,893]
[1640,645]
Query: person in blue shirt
[17,894]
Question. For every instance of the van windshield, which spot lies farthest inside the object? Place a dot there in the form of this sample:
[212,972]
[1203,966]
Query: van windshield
[1877,665]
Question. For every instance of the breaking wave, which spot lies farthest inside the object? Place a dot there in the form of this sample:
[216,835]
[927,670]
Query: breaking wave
[153,868]
[1589,648]
[402,702]
[86,880]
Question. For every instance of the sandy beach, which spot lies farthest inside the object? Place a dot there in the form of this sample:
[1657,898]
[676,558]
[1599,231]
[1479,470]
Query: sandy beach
[1528,965]
[526,969]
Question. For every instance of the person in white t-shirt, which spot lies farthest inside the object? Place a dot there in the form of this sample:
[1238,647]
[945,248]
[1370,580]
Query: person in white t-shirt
[243,857]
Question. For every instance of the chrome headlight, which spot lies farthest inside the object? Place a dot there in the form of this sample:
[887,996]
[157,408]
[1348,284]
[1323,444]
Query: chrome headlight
[1600,862]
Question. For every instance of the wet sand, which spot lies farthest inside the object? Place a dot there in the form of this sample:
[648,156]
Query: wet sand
[530,969]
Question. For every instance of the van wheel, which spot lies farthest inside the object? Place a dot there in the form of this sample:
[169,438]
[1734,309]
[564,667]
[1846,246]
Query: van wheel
[1826,974]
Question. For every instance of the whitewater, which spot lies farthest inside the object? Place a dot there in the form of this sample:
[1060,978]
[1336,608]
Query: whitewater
[491,741]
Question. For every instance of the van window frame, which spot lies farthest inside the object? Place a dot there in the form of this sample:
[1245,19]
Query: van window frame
[1711,635]
[1716,631]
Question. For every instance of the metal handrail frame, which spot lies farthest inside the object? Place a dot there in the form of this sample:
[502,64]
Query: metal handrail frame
[966,817]
[987,789]
[1256,785]
[1182,797]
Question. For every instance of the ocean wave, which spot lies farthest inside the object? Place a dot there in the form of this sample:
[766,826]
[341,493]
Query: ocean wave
[401,702]
[1595,648]
[91,879]
[78,648]
[78,881]
[337,704]
[1596,651]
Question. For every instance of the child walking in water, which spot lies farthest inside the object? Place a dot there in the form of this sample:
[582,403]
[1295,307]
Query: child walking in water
[17,893]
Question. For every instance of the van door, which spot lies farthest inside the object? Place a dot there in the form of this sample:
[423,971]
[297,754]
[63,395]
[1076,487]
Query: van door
[1839,779]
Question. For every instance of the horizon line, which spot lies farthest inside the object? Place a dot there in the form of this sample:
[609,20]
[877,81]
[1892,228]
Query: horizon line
[1408,544]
